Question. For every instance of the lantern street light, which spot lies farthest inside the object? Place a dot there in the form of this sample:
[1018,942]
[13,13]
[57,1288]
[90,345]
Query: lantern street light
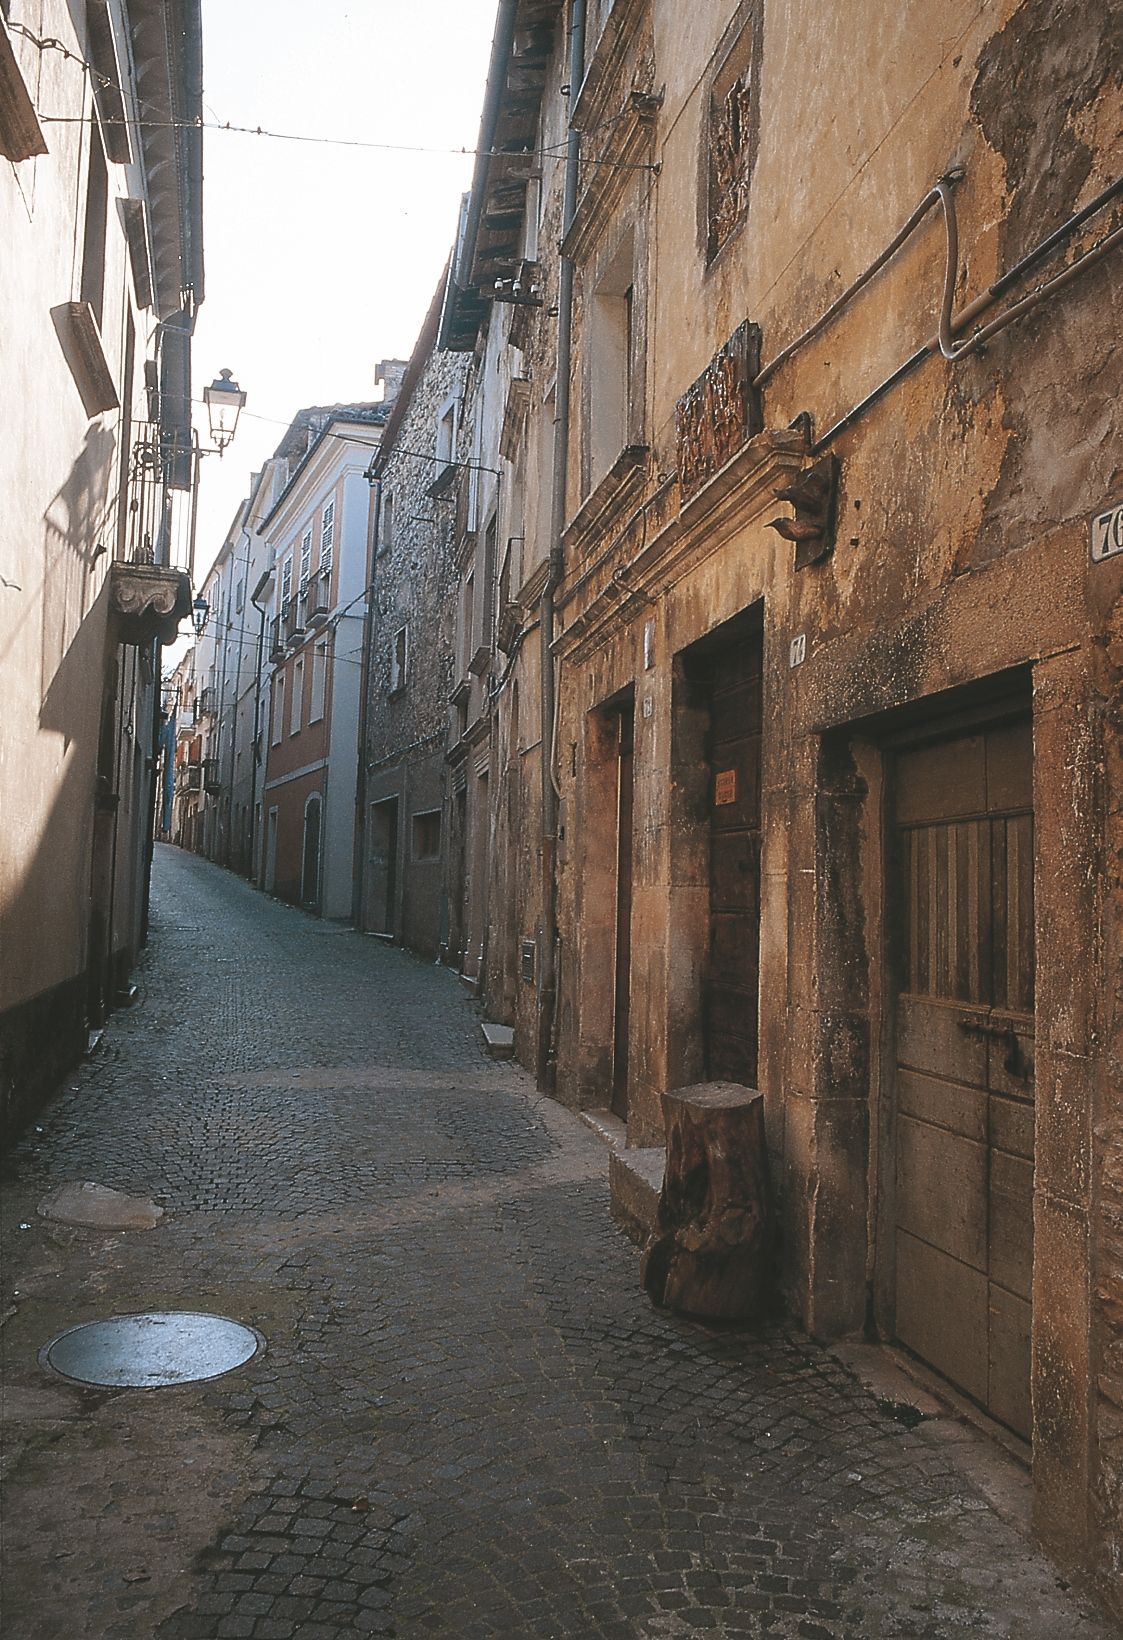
[224,400]
[200,609]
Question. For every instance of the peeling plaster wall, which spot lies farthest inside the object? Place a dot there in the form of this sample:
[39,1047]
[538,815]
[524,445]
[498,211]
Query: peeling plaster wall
[961,563]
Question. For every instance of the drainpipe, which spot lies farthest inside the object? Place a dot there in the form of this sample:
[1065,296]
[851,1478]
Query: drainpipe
[546,1055]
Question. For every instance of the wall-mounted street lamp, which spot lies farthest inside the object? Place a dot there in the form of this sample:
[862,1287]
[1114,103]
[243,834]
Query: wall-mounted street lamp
[224,400]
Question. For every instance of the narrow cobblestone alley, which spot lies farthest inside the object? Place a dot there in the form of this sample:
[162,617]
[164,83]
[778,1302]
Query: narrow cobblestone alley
[468,1420]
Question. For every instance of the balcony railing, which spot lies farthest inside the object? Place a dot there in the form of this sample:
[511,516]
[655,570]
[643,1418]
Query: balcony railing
[207,703]
[191,777]
[317,601]
[276,640]
[292,618]
[212,783]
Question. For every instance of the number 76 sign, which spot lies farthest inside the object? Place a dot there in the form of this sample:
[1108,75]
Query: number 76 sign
[1107,533]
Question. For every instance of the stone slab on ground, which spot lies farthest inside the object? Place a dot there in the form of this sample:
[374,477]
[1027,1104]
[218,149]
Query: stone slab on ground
[92,1206]
[499,1040]
[635,1180]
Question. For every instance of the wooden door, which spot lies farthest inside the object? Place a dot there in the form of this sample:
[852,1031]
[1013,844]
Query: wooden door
[731,994]
[623,965]
[964,1063]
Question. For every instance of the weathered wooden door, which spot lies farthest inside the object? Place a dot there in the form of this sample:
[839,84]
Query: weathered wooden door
[623,967]
[964,1062]
[731,1005]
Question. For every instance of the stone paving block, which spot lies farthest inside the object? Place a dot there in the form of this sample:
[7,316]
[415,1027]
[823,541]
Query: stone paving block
[468,1420]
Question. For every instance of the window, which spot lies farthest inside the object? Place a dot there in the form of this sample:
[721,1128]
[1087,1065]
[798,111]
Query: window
[240,594]
[286,580]
[278,708]
[474,463]
[93,240]
[446,435]
[305,558]
[427,835]
[487,601]
[399,657]
[734,108]
[613,365]
[327,533]
[386,521]
[297,696]
[319,681]
[532,217]
[467,623]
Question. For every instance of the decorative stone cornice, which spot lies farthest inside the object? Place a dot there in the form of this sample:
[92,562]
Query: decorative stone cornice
[619,489]
[609,59]
[84,351]
[667,539]
[148,601]
[21,135]
[628,146]
[534,585]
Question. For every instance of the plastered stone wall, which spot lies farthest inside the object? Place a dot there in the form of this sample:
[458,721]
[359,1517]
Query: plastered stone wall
[961,562]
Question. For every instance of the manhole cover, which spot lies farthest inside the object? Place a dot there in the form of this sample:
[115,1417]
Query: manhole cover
[145,1351]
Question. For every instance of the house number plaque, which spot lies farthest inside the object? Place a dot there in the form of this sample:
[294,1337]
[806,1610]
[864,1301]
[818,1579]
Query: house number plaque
[1107,534]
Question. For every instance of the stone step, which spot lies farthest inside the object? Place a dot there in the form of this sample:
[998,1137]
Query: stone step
[499,1040]
[607,1126]
[635,1178]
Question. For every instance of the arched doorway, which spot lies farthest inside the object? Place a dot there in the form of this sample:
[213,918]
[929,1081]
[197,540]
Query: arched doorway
[310,871]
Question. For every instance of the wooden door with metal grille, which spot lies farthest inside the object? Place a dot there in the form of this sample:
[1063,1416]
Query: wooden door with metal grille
[731,996]
[963,815]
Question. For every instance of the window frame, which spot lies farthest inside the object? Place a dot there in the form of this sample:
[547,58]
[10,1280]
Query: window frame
[399,660]
[296,704]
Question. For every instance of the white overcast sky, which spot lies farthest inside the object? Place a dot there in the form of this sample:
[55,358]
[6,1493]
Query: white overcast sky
[322,260]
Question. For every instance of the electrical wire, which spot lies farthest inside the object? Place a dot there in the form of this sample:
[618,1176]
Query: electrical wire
[552,152]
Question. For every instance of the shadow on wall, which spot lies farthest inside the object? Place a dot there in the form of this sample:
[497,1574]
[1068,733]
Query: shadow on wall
[56,970]
[75,528]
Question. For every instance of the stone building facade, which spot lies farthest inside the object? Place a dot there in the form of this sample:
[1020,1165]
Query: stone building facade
[408,655]
[101,228]
[830,592]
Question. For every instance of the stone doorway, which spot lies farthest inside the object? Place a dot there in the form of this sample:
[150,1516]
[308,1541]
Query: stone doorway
[310,859]
[382,866]
[717,770]
[624,727]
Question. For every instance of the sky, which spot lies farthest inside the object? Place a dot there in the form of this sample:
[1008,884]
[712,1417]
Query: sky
[321,260]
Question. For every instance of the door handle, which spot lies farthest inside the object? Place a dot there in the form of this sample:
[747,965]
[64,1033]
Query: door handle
[1015,1062]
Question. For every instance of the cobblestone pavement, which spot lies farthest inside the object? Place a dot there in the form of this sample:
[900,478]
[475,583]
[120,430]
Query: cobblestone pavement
[468,1420]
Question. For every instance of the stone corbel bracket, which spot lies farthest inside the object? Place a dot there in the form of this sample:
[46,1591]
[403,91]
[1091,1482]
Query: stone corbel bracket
[148,601]
[813,494]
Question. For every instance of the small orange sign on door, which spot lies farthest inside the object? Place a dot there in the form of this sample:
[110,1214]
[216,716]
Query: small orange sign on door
[725,787]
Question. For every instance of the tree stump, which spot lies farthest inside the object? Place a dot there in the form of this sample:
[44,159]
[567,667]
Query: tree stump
[708,1253]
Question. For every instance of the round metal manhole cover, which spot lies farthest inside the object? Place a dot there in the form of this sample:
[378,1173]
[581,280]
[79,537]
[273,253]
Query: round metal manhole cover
[157,1348]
